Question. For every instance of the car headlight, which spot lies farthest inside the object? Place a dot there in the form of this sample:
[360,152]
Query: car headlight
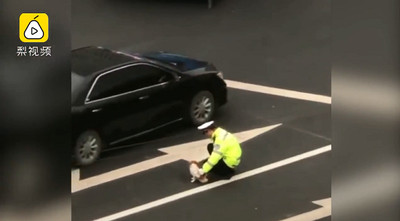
[221,75]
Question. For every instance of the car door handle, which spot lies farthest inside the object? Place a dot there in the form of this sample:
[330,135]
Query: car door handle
[144,97]
[96,110]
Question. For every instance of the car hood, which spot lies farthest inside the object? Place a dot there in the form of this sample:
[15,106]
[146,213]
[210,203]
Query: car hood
[182,63]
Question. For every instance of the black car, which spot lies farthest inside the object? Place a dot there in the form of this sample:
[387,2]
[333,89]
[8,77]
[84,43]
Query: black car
[118,96]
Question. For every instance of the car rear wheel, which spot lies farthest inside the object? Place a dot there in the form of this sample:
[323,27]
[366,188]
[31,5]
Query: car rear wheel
[87,148]
[202,107]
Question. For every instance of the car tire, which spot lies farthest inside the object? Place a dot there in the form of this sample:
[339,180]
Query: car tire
[88,147]
[201,108]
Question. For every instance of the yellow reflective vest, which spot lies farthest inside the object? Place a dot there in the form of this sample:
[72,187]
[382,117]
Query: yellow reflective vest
[226,147]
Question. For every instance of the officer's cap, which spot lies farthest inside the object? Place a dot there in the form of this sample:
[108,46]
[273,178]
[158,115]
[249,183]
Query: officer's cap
[206,125]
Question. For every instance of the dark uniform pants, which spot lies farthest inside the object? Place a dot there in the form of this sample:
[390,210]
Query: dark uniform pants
[220,168]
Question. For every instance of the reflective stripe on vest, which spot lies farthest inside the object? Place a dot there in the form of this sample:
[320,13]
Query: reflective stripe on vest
[217,152]
[208,162]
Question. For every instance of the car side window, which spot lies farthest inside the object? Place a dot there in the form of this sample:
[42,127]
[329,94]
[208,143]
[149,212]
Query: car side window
[156,75]
[128,79]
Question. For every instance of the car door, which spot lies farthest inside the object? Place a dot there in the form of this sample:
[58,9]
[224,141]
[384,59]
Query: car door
[118,102]
[165,104]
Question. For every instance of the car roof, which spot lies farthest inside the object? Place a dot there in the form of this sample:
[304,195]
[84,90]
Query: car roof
[88,60]
[180,62]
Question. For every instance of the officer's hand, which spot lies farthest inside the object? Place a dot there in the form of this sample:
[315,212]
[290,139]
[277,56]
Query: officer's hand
[203,178]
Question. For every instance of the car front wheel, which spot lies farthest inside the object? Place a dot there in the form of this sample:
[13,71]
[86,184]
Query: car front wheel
[87,148]
[202,107]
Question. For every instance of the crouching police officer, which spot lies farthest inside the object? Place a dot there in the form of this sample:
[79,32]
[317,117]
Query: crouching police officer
[225,151]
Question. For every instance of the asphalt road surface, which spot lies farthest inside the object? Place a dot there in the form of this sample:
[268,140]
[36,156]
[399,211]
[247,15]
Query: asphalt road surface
[267,44]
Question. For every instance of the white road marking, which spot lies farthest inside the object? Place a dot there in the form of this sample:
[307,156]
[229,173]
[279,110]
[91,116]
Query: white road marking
[279,92]
[206,187]
[188,151]
[324,211]
[75,175]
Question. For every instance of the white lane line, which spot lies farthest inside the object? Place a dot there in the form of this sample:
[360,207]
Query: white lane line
[75,176]
[324,211]
[279,92]
[206,187]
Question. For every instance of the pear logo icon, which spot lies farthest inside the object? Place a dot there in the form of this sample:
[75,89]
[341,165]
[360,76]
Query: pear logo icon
[34,27]
[33,30]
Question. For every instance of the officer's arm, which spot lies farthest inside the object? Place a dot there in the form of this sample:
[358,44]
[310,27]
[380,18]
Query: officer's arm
[216,155]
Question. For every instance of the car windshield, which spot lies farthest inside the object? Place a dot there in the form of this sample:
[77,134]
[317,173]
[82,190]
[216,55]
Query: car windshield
[76,84]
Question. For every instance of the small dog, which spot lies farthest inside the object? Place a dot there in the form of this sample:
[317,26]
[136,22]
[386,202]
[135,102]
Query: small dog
[194,167]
